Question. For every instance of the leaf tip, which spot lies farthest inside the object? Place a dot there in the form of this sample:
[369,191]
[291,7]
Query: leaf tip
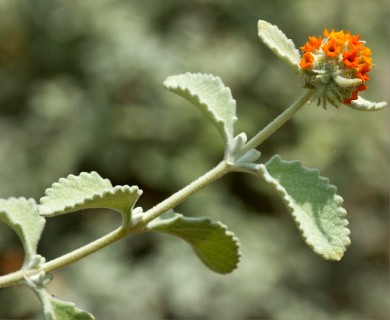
[261,24]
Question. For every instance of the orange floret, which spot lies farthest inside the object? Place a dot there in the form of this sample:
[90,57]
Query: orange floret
[354,43]
[331,48]
[354,95]
[362,72]
[350,59]
[340,37]
[366,51]
[313,44]
[366,57]
[306,61]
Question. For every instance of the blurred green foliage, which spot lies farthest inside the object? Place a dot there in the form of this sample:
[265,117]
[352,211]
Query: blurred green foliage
[81,90]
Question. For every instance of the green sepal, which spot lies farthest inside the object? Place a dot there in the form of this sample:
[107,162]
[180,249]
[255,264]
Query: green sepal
[362,104]
[87,191]
[313,203]
[22,216]
[216,247]
[209,95]
[277,41]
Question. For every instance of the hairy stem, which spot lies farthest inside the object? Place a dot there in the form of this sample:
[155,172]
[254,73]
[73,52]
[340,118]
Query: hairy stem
[214,174]
[277,122]
[19,276]
[169,203]
[209,177]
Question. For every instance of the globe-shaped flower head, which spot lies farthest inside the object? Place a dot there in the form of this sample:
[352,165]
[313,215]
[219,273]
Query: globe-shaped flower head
[337,66]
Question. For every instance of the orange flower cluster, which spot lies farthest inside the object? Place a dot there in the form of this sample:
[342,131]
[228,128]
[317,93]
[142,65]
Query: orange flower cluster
[343,50]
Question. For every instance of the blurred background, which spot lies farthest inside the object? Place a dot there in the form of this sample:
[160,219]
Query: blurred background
[81,90]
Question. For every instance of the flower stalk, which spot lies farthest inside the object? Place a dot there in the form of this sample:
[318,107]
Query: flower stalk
[265,133]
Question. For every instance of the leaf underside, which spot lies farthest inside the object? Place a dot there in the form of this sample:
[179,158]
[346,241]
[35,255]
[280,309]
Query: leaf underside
[216,247]
[55,309]
[209,95]
[362,104]
[313,203]
[277,41]
[87,191]
[22,216]
[68,311]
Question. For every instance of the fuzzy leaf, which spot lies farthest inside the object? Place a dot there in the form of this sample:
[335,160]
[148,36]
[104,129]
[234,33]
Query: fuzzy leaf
[209,95]
[86,191]
[313,203]
[346,82]
[67,311]
[216,247]
[277,41]
[362,104]
[55,309]
[22,216]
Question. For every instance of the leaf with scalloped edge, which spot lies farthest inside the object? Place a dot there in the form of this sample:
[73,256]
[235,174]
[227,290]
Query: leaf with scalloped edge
[209,95]
[313,203]
[22,216]
[87,191]
[216,247]
[277,41]
[362,104]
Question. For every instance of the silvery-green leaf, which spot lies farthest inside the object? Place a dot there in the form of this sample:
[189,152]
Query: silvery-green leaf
[22,216]
[362,104]
[346,82]
[313,203]
[55,309]
[68,311]
[87,191]
[277,41]
[209,95]
[36,261]
[238,142]
[248,157]
[40,279]
[216,247]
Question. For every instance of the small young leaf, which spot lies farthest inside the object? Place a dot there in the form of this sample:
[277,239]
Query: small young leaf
[216,247]
[22,216]
[277,41]
[313,204]
[55,309]
[68,311]
[211,96]
[86,191]
[362,104]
